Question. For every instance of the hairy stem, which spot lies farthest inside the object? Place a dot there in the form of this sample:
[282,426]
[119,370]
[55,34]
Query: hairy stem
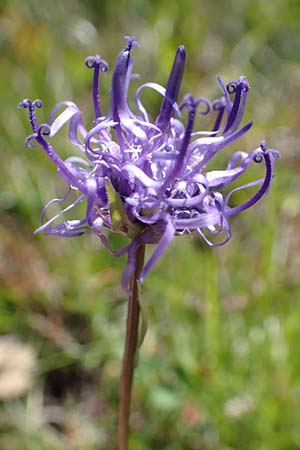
[128,364]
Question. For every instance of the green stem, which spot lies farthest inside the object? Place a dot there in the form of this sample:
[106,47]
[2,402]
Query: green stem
[128,363]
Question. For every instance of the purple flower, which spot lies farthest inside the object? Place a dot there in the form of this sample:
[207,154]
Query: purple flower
[148,179]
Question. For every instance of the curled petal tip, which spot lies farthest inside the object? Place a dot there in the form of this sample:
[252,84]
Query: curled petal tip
[29,142]
[24,103]
[44,130]
[131,42]
[31,106]
[242,82]
[275,153]
[27,103]
[37,103]
[93,61]
[231,86]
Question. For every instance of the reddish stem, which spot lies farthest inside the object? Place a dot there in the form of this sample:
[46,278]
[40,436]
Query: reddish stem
[128,363]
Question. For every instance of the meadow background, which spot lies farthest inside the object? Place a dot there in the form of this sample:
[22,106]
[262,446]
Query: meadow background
[220,365]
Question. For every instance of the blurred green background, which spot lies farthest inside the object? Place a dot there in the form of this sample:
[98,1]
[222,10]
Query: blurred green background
[220,365]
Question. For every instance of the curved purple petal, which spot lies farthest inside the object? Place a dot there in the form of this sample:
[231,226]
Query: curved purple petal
[172,90]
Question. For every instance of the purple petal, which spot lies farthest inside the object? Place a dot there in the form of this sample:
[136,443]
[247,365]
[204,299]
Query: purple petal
[266,182]
[99,65]
[159,250]
[120,83]
[68,208]
[172,90]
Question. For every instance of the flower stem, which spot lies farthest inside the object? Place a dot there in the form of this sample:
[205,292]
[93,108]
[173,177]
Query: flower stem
[128,363]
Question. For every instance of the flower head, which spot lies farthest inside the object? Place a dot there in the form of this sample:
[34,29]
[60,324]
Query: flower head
[148,179]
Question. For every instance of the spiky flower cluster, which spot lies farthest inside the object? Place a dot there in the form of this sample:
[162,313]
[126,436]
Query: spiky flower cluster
[145,178]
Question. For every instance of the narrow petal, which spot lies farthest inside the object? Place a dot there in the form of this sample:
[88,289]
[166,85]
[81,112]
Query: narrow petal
[120,82]
[268,157]
[69,228]
[201,221]
[99,65]
[53,219]
[213,148]
[164,242]
[239,104]
[172,90]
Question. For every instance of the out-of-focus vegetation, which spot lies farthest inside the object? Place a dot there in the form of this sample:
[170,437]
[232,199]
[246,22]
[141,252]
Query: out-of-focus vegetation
[220,366]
